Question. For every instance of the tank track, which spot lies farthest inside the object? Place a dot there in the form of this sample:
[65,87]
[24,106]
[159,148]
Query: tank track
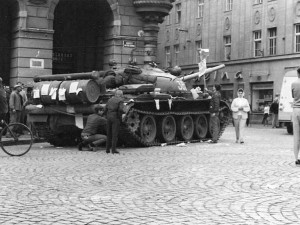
[133,140]
[43,130]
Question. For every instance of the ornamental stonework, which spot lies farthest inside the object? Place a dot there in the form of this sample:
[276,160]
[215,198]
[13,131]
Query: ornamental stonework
[257,17]
[272,14]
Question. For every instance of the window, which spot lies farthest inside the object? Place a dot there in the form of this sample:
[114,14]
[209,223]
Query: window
[176,50]
[178,13]
[168,57]
[227,46]
[261,93]
[272,41]
[168,19]
[229,5]
[257,44]
[297,38]
[198,48]
[200,8]
[258,1]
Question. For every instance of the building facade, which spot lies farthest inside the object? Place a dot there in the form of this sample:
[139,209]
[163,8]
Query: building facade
[257,40]
[40,37]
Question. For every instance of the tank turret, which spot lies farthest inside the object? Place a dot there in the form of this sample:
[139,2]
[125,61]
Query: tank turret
[159,107]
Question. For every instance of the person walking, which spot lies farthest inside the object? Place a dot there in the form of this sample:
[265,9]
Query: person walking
[296,116]
[3,102]
[214,109]
[113,111]
[274,110]
[266,114]
[16,106]
[240,108]
[94,131]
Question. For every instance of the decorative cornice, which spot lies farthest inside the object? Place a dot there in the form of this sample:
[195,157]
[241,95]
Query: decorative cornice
[161,7]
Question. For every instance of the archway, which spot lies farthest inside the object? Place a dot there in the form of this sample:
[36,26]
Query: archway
[80,30]
[8,17]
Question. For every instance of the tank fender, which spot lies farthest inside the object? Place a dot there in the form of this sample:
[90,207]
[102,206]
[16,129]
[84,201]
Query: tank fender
[34,118]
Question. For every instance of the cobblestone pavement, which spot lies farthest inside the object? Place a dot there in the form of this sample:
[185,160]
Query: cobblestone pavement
[202,183]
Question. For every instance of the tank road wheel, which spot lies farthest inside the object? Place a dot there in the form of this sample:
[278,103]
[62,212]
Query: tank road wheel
[148,129]
[201,126]
[167,128]
[133,121]
[185,127]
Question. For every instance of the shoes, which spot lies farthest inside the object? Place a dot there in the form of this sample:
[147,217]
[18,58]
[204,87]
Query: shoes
[242,142]
[213,142]
[297,162]
[107,151]
[115,152]
[237,141]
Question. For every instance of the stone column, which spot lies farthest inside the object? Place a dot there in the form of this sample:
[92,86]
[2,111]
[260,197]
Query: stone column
[152,13]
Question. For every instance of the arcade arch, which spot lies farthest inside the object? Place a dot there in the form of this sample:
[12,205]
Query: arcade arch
[8,20]
[80,34]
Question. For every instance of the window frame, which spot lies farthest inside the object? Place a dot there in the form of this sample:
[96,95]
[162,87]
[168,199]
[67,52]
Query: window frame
[178,7]
[257,41]
[272,41]
[228,5]
[200,8]
[176,54]
[168,56]
[297,36]
[227,46]
[257,2]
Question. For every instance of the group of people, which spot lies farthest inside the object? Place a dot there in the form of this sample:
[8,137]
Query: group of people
[103,126]
[12,105]
[271,108]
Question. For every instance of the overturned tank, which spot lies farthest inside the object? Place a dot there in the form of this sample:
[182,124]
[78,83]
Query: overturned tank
[159,107]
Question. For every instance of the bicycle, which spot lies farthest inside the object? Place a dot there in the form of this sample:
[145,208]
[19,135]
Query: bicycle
[16,139]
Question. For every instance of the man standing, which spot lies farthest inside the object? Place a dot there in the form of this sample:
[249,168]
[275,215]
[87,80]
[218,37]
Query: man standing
[16,104]
[214,109]
[113,111]
[296,116]
[24,100]
[274,109]
[94,131]
[3,102]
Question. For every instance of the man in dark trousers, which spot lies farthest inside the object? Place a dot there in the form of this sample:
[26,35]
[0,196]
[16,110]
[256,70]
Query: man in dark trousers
[113,111]
[274,109]
[214,108]
[3,102]
[94,131]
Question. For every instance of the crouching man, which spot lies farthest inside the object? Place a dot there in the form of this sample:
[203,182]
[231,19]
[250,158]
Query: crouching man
[94,132]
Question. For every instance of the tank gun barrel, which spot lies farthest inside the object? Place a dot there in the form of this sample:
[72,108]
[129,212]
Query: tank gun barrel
[62,77]
[208,70]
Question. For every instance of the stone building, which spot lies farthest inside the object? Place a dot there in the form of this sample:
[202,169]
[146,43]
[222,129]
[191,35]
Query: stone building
[68,36]
[257,40]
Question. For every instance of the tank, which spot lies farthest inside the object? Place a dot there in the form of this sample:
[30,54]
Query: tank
[159,107]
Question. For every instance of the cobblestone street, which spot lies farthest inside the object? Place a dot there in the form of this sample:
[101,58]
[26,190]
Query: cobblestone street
[202,183]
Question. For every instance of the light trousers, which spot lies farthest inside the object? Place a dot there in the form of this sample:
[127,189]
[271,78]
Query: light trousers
[296,130]
[239,125]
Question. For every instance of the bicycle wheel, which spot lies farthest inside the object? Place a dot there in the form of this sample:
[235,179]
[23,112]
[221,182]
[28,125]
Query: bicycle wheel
[16,139]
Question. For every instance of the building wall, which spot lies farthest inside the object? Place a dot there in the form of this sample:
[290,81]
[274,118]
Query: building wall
[32,36]
[263,72]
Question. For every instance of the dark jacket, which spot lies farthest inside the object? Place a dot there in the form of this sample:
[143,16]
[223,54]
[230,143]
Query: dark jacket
[95,124]
[274,108]
[214,105]
[114,108]
[3,101]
